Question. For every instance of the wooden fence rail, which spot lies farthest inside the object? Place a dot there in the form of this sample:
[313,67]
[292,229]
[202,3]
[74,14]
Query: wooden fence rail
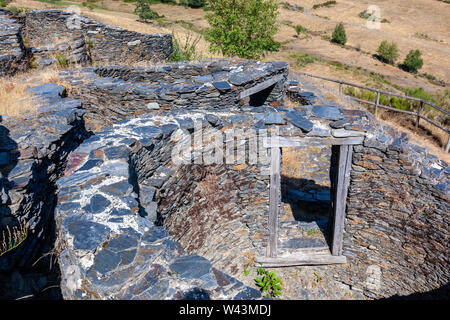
[377,104]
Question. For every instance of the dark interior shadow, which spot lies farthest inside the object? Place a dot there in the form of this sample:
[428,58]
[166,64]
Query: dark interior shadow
[258,99]
[442,293]
[196,294]
[30,270]
[302,197]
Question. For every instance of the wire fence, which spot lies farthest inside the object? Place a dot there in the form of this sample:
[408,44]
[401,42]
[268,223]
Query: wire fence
[418,113]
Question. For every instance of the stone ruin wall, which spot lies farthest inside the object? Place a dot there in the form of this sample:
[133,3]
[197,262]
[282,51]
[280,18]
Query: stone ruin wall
[216,211]
[33,155]
[113,94]
[80,40]
[13,56]
[396,228]
[397,224]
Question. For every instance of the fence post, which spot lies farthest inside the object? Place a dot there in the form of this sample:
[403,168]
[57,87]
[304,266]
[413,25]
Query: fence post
[418,113]
[448,144]
[340,88]
[376,105]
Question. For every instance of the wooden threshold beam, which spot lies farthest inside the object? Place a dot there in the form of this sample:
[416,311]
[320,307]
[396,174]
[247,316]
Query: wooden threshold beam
[286,142]
[303,259]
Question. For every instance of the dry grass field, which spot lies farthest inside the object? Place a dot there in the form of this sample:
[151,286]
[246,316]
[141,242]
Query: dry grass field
[417,24]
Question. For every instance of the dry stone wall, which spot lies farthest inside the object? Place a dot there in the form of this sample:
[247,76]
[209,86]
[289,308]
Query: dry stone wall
[13,55]
[33,152]
[112,94]
[132,224]
[397,225]
[47,36]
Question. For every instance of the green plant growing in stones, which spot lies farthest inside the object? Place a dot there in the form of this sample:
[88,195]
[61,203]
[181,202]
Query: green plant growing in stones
[387,52]
[269,282]
[15,9]
[62,60]
[186,51]
[242,28]
[318,277]
[13,239]
[2,3]
[339,36]
[312,231]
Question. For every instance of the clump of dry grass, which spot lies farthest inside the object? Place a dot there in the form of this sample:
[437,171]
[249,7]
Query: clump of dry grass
[12,239]
[14,99]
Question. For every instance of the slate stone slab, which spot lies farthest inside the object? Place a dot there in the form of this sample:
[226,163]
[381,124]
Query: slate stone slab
[300,243]
[297,119]
[191,266]
[97,234]
[97,204]
[327,112]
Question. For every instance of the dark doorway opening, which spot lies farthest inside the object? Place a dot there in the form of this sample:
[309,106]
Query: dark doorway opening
[306,209]
[258,99]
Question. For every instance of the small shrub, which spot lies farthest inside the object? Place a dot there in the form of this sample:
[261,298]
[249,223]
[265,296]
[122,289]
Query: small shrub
[302,59]
[144,11]
[325,4]
[299,29]
[89,5]
[387,52]
[2,3]
[339,36]
[269,283]
[196,3]
[413,61]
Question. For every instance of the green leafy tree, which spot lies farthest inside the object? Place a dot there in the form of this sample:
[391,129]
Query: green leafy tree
[339,35]
[144,11]
[243,28]
[388,52]
[413,61]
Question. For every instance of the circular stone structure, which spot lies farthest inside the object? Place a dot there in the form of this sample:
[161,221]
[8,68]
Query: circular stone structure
[163,182]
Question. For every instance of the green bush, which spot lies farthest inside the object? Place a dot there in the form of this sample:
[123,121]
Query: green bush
[242,28]
[196,3]
[413,61]
[144,11]
[299,29]
[2,3]
[387,52]
[339,36]
[325,4]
